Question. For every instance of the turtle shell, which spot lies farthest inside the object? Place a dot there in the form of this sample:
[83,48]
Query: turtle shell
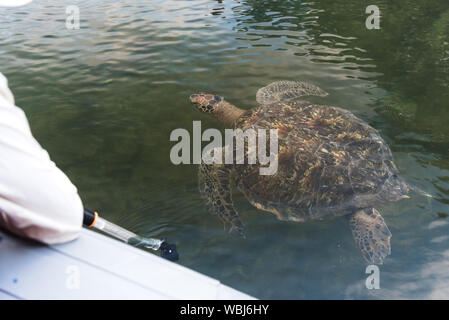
[329,163]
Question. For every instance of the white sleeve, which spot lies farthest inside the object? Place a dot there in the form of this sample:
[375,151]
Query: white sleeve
[37,200]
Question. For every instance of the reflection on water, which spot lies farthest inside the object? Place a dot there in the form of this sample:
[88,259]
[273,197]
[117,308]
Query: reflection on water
[104,99]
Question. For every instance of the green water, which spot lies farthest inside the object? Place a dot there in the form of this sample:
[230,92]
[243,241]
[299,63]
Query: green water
[104,99]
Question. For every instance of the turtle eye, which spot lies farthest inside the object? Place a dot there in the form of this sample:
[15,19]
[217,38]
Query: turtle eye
[218,98]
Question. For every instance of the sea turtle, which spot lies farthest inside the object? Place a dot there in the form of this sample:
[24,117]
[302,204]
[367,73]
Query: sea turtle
[330,163]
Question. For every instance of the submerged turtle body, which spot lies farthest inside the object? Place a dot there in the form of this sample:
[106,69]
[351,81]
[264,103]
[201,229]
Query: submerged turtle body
[330,163]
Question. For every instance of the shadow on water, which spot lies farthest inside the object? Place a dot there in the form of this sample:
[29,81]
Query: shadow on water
[104,99]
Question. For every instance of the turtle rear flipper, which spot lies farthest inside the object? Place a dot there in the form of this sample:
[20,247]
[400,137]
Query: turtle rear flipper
[287,90]
[215,188]
[371,234]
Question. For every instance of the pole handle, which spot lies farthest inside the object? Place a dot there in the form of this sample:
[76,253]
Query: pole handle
[89,218]
[168,251]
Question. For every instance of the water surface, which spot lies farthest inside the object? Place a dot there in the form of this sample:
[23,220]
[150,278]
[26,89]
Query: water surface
[103,100]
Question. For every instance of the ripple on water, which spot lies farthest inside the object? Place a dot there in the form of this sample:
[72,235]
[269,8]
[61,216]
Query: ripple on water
[103,100]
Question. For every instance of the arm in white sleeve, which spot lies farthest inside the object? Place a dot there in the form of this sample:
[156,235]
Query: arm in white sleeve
[37,200]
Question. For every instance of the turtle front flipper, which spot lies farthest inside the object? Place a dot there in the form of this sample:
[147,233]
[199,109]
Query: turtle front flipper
[371,234]
[215,188]
[287,90]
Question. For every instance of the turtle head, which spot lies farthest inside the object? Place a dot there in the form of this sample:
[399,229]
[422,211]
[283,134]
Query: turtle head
[205,102]
[216,106]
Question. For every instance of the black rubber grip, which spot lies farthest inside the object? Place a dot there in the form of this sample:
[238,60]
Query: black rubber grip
[89,217]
